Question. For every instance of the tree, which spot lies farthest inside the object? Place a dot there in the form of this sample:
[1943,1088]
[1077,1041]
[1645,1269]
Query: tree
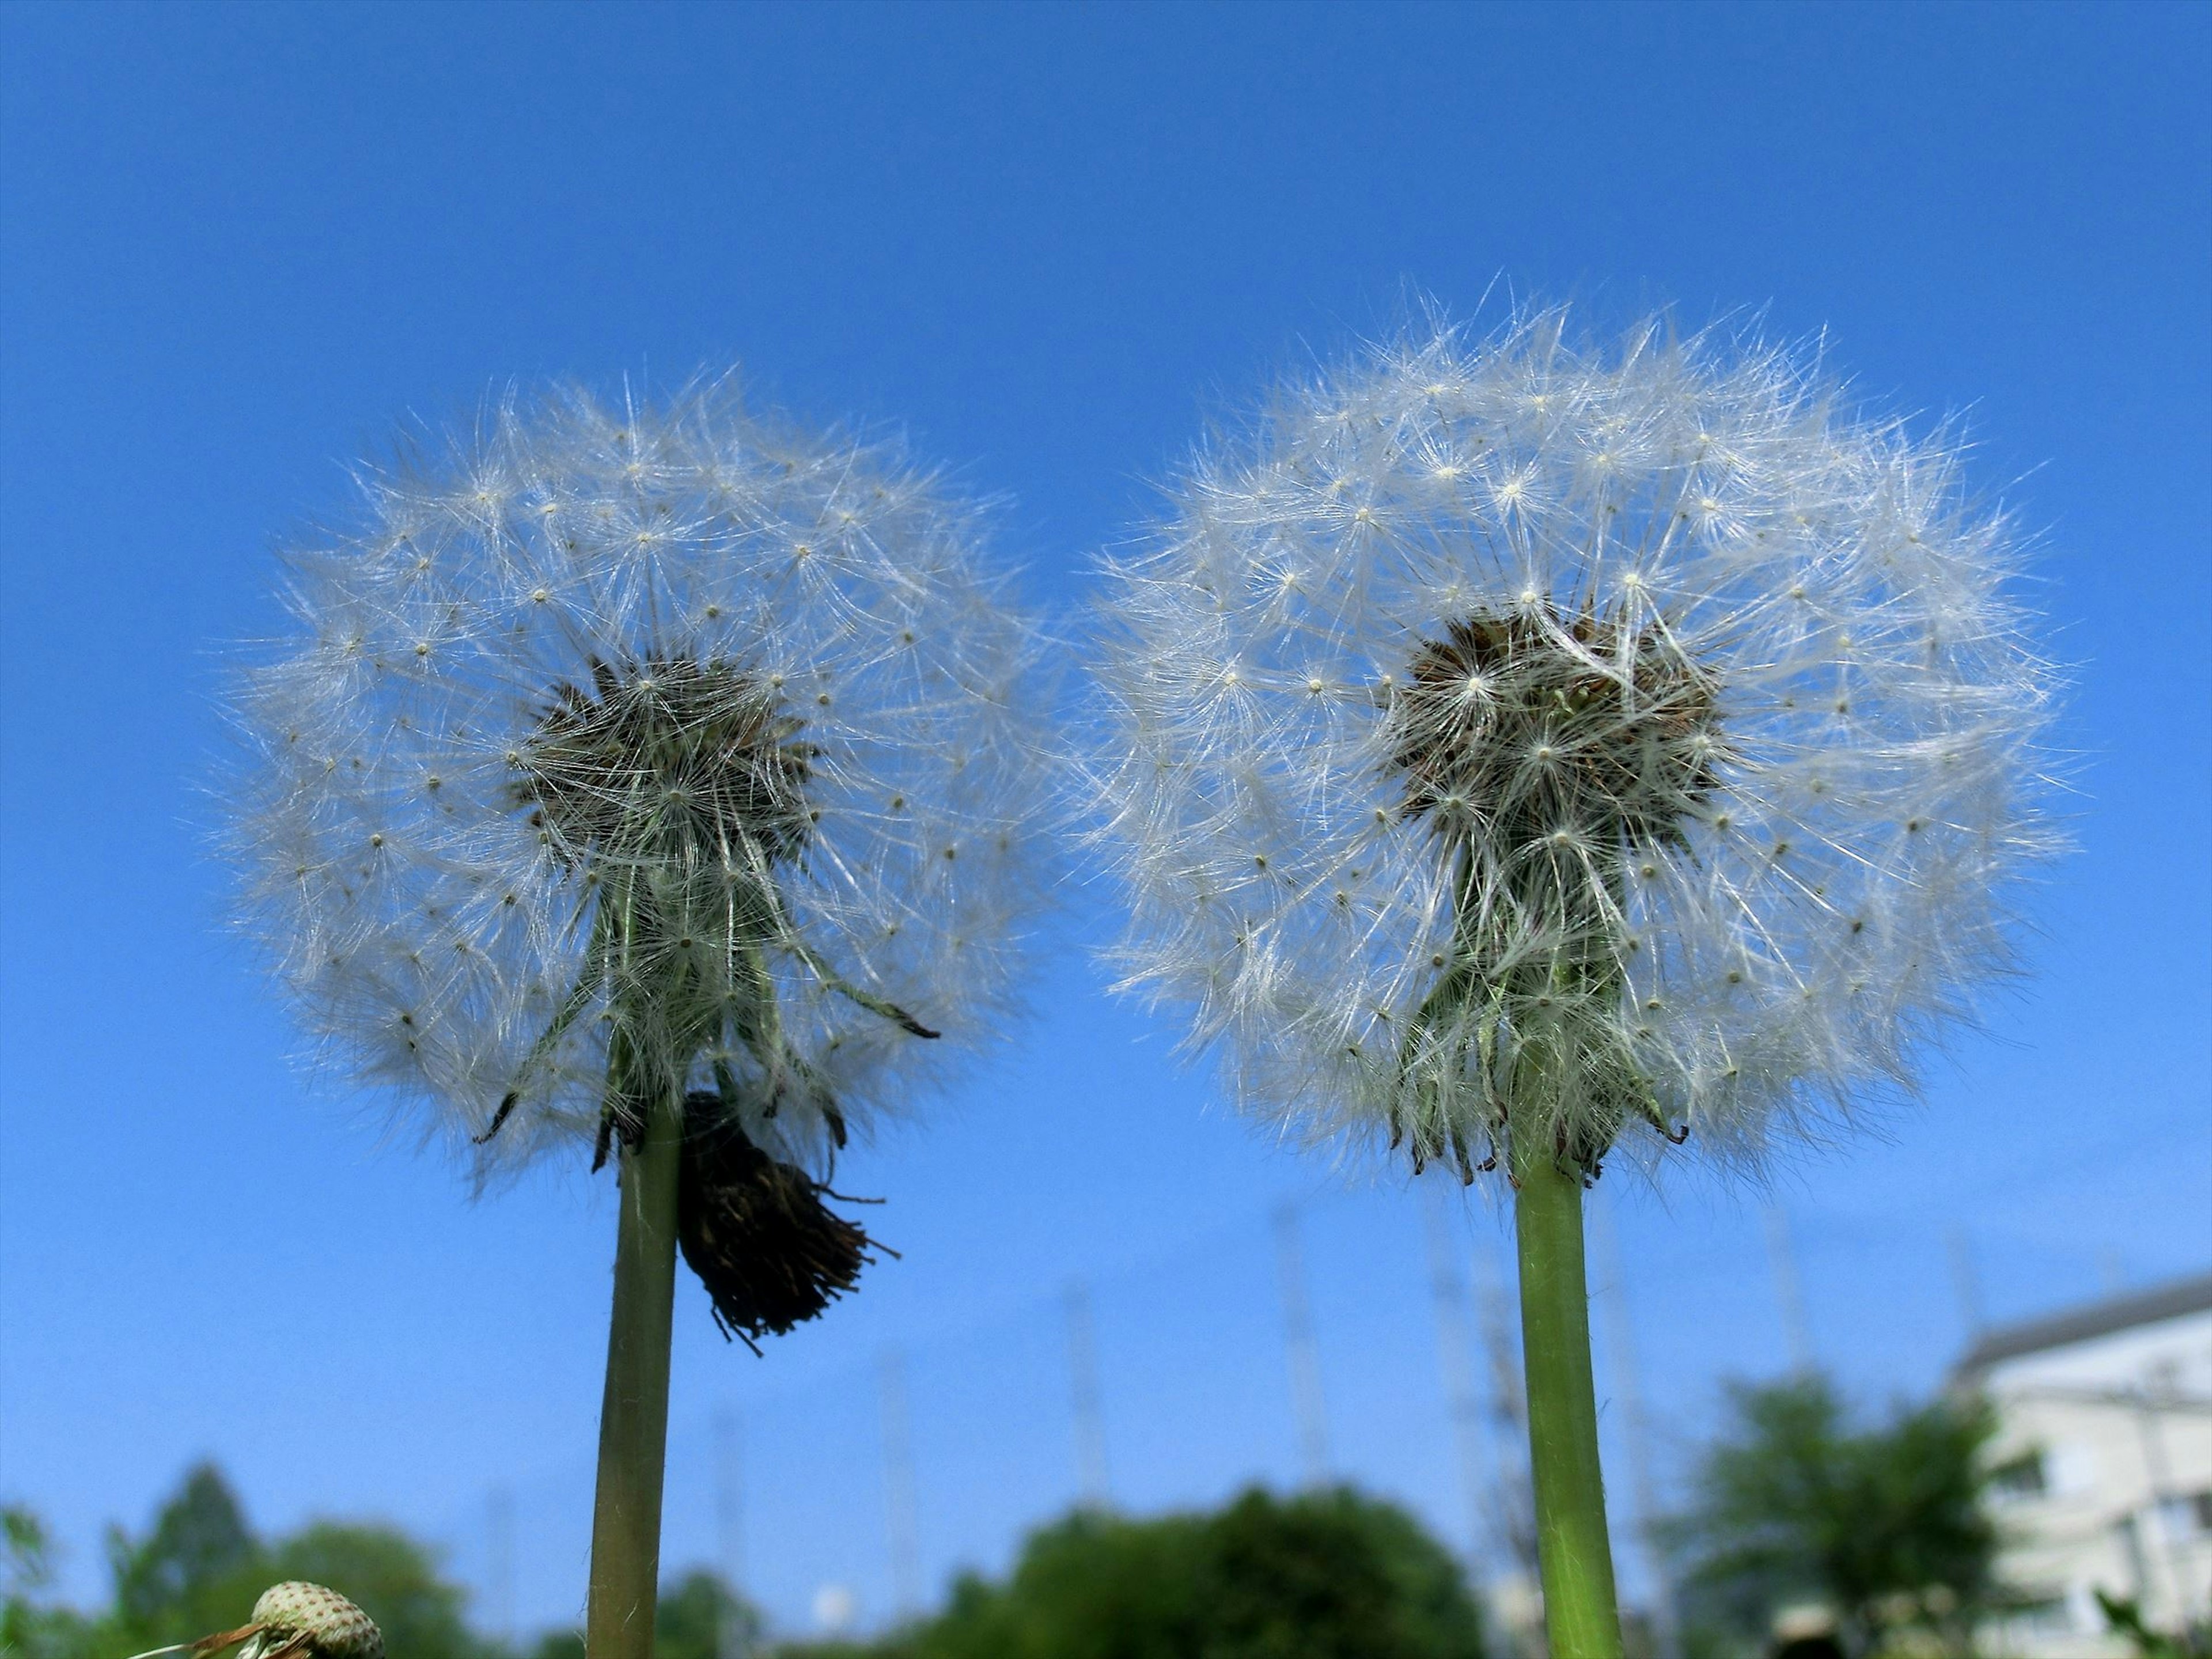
[173,1585]
[200,1569]
[1328,1575]
[1092,1587]
[1886,1524]
[1334,1574]
[26,1628]
[1325,1574]
[2124,1618]
[389,1575]
[688,1622]
[695,1614]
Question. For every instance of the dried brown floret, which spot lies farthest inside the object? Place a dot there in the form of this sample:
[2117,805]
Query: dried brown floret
[770,1252]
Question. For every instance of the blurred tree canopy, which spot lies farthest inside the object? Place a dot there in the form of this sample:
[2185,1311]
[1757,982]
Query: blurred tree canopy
[199,1540]
[1322,1574]
[687,1624]
[27,1628]
[1326,1575]
[199,1569]
[1885,1524]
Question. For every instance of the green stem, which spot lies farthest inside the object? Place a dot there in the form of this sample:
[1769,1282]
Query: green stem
[633,1417]
[1582,1619]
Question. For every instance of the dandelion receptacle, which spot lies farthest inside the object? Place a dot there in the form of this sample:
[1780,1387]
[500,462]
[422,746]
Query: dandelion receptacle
[1524,752]
[657,785]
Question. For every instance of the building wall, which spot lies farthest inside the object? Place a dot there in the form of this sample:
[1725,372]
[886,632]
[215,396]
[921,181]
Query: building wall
[2104,1480]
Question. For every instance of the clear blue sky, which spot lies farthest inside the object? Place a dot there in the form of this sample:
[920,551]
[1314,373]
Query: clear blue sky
[241,242]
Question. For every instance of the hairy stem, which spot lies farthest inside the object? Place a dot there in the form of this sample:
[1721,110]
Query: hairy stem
[633,1416]
[1582,1619]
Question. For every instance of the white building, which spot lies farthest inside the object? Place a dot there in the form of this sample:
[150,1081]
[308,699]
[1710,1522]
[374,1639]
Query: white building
[2102,1465]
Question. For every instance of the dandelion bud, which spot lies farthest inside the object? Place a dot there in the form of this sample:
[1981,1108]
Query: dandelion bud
[291,1621]
[311,1622]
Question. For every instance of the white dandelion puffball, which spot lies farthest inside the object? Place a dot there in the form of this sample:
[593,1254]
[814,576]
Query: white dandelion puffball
[1526,738]
[619,752]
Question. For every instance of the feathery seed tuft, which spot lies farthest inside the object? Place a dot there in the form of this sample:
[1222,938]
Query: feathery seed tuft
[1698,757]
[570,774]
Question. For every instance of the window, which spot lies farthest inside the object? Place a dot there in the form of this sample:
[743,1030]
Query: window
[2041,1613]
[2187,1516]
[2129,1535]
[2018,1477]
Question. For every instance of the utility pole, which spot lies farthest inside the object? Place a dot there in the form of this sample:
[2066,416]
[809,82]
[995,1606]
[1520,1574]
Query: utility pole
[1636,1429]
[1084,1400]
[734,1639]
[1965,1282]
[1456,1357]
[1304,1358]
[902,1525]
[1509,1413]
[1513,1507]
[1790,1292]
[499,1562]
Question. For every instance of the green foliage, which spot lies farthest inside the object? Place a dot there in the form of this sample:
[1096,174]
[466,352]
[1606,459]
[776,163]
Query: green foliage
[1336,1574]
[393,1579]
[2124,1619]
[171,1584]
[1092,1587]
[27,1630]
[686,1624]
[693,1614]
[23,1536]
[1321,1576]
[1328,1575]
[200,1569]
[1885,1524]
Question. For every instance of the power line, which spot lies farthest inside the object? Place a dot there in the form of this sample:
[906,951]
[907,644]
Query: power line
[1481,1299]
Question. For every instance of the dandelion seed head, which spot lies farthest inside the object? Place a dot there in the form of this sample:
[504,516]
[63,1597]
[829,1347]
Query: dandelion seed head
[1697,707]
[616,697]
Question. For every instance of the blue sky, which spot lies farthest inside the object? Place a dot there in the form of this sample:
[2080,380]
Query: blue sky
[240,243]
